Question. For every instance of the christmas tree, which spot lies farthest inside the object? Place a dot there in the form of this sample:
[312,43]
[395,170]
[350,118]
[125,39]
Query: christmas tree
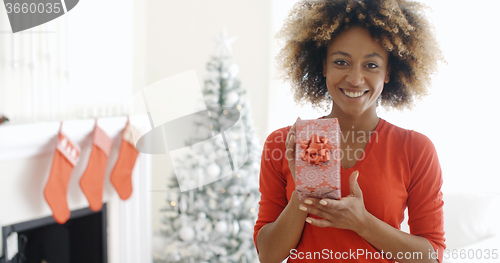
[214,222]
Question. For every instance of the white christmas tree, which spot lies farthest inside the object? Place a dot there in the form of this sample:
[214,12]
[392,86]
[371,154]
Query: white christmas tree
[214,222]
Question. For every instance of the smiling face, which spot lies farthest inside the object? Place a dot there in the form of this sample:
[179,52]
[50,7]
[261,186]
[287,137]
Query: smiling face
[356,70]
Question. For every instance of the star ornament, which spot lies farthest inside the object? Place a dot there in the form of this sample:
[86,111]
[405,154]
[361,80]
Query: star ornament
[224,43]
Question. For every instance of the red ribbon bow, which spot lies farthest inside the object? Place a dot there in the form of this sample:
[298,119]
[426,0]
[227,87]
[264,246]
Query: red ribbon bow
[316,149]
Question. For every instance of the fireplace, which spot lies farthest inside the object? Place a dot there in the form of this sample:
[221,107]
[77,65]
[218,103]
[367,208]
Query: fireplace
[82,239]
[25,162]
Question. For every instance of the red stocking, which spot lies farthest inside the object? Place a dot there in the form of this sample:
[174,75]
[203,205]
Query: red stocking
[55,192]
[93,178]
[121,177]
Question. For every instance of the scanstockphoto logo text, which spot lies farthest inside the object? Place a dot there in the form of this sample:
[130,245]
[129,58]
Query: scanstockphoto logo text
[26,14]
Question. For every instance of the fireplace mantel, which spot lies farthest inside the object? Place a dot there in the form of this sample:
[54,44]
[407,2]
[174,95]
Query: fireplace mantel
[26,152]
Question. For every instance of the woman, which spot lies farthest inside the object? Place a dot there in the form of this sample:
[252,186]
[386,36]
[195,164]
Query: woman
[355,55]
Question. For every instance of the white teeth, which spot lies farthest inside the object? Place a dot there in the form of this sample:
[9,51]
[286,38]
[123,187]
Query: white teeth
[353,94]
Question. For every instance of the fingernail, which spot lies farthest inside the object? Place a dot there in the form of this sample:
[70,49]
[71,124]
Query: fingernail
[308,220]
[323,202]
[303,208]
[309,202]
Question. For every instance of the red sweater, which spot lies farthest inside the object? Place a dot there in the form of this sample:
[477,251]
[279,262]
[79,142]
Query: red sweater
[400,169]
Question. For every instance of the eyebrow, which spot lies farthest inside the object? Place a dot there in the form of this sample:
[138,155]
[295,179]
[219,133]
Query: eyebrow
[374,54]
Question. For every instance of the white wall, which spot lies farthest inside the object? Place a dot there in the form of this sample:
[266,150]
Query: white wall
[175,36]
[461,114]
[282,110]
[76,66]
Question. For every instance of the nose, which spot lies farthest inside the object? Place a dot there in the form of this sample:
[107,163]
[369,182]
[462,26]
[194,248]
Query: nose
[355,76]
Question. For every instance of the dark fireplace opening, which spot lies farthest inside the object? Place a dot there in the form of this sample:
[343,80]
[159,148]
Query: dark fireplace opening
[82,239]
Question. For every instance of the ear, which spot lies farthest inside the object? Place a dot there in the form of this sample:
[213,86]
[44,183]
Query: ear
[388,73]
[387,76]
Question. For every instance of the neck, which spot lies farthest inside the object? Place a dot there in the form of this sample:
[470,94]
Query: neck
[367,121]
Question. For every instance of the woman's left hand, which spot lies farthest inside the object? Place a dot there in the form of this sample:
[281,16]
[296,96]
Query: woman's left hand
[347,213]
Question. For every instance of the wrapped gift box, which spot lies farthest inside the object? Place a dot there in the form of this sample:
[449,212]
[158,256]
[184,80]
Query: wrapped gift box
[317,158]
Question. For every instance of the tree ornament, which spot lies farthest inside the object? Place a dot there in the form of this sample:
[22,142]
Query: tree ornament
[236,201]
[224,43]
[231,99]
[221,227]
[232,145]
[202,215]
[186,233]
[236,228]
[213,170]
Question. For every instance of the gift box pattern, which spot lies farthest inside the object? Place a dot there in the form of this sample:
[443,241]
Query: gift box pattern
[320,180]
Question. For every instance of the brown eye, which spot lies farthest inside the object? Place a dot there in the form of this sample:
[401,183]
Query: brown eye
[372,65]
[341,62]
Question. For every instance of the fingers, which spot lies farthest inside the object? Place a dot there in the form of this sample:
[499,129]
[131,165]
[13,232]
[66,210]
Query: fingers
[318,222]
[310,206]
[291,134]
[292,130]
[324,203]
[320,207]
[293,126]
[346,213]
[354,186]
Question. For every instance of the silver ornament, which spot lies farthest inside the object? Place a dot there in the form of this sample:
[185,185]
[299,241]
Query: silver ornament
[221,227]
[186,233]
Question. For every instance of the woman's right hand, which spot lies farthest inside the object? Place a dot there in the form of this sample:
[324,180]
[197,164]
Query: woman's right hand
[290,149]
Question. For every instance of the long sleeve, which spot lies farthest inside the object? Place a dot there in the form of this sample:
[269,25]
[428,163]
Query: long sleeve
[425,199]
[272,180]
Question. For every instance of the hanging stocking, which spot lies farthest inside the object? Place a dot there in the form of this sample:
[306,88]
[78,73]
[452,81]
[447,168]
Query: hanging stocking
[121,177]
[65,158]
[93,178]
